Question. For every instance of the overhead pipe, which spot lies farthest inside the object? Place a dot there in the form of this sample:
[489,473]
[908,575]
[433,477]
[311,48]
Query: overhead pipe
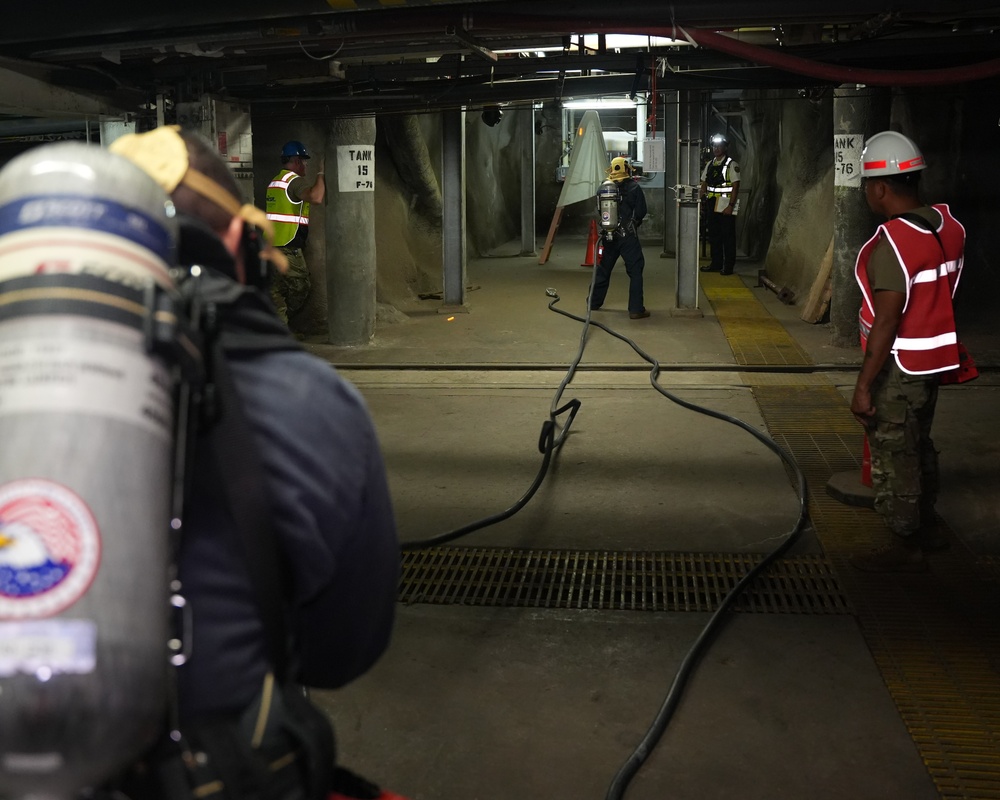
[828,72]
[359,24]
[485,23]
[403,22]
[758,55]
[73,20]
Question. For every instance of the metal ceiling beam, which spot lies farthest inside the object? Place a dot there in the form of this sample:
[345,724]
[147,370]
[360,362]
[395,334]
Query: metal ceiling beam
[461,35]
[256,49]
[28,95]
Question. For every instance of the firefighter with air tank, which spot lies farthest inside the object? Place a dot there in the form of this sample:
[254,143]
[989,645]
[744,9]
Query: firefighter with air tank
[622,207]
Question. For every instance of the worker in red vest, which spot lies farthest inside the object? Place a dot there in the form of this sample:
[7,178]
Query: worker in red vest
[908,272]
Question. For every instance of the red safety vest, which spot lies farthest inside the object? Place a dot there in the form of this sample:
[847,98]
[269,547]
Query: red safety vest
[926,341]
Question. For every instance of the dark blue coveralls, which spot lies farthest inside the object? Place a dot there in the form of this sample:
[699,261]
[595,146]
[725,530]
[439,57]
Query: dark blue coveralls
[624,243]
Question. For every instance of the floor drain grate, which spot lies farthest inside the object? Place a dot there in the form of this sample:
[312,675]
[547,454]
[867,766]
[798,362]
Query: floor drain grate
[607,580]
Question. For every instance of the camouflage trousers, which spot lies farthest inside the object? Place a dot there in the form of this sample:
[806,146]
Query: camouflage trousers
[290,291]
[904,462]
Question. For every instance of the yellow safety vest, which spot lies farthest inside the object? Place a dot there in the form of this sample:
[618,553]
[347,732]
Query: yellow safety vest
[285,214]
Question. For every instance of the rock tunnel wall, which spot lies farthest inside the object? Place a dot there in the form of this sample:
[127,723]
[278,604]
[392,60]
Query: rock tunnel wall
[785,149]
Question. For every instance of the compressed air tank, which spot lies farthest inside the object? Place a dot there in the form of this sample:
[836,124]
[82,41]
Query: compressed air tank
[608,198]
[86,425]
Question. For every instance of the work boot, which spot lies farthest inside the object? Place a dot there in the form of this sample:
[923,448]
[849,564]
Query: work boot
[900,555]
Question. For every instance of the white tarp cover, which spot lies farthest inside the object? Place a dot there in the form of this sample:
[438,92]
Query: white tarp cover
[588,162]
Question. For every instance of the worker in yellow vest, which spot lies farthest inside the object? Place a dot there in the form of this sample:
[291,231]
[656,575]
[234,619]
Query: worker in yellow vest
[720,186]
[287,204]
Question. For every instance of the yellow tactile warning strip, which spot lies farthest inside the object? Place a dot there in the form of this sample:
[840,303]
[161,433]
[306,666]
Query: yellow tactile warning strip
[631,581]
[934,635]
[755,336]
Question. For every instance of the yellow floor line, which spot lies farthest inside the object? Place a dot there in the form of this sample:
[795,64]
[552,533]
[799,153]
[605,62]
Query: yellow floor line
[934,636]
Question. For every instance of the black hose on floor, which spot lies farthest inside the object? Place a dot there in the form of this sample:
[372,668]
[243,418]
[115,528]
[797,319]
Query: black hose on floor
[547,444]
[655,731]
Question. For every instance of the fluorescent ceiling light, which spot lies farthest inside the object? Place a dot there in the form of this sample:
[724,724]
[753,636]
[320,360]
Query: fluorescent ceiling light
[628,41]
[537,51]
[612,41]
[597,103]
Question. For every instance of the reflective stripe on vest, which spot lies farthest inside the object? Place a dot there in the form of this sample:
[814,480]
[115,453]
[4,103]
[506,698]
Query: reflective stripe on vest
[285,213]
[726,187]
[926,340]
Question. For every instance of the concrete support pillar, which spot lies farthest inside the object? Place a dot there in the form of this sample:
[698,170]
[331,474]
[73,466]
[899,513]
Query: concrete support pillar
[688,158]
[113,128]
[349,216]
[453,202]
[670,175]
[526,133]
[857,114]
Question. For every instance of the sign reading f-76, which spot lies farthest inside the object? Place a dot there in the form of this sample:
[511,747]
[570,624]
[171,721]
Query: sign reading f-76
[356,167]
[847,149]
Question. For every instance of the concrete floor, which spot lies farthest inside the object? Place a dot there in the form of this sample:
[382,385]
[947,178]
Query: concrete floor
[475,703]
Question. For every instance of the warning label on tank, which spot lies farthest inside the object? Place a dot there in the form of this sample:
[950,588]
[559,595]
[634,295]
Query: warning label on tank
[82,375]
[50,548]
[48,647]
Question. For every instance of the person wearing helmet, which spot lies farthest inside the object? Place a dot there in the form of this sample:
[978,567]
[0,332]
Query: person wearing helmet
[624,242]
[720,187]
[287,202]
[323,492]
[908,273]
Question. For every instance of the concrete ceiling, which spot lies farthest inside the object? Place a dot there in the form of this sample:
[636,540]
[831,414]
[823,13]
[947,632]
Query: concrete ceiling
[322,58]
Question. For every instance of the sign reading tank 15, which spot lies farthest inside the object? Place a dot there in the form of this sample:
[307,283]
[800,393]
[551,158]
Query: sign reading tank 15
[356,168]
[847,149]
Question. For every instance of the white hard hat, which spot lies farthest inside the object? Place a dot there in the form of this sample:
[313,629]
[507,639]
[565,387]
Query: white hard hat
[890,153]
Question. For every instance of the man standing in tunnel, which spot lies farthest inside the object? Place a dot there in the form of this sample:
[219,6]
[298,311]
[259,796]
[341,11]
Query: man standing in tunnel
[290,558]
[624,242]
[908,273]
[287,202]
[720,186]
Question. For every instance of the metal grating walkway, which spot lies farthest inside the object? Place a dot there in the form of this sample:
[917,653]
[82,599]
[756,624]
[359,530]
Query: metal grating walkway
[634,581]
[754,335]
[934,636]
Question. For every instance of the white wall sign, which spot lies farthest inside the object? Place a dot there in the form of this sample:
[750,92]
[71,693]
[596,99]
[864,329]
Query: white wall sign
[847,149]
[356,167]
[653,156]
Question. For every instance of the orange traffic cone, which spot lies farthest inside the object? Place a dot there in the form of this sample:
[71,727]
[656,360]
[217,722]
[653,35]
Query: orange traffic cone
[590,257]
[866,465]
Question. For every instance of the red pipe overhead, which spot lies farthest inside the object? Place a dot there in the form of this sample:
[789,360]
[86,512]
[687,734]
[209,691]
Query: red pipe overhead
[756,54]
[816,69]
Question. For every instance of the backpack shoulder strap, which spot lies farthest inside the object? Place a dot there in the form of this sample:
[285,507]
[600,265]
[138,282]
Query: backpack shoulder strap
[230,442]
[920,222]
[237,320]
